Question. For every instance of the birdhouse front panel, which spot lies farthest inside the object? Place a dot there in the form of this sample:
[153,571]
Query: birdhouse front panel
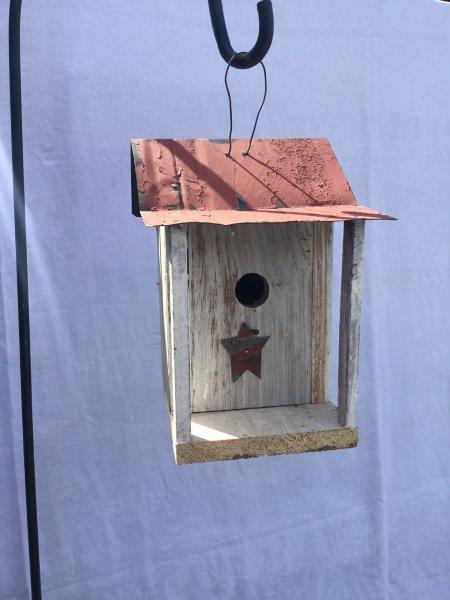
[245,247]
[258,302]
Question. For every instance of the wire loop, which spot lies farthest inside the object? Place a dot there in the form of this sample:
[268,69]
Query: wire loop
[230,107]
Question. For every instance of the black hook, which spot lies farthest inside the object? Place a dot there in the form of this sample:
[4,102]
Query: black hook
[243,60]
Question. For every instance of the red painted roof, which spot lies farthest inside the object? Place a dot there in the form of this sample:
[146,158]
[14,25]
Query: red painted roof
[185,181]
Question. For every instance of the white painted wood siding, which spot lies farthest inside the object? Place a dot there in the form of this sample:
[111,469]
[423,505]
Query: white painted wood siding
[173,242]
[283,254]
[164,305]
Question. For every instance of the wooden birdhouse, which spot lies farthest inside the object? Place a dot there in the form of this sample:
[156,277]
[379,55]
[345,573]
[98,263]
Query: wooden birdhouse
[245,258]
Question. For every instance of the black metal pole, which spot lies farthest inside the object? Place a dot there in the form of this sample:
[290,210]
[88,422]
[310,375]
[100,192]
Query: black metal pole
[22,294]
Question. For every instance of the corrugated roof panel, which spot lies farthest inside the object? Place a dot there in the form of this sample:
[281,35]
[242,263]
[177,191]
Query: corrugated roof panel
[184,181]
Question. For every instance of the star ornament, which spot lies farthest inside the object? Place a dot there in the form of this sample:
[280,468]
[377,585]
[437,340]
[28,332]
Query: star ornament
[245,351]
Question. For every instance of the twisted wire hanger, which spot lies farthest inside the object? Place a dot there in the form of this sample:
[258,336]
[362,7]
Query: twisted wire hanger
[230,108]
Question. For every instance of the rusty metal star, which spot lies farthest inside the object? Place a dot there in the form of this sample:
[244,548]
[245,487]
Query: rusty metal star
[245,351]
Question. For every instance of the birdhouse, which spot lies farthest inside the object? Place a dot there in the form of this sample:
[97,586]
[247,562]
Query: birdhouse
[245,260]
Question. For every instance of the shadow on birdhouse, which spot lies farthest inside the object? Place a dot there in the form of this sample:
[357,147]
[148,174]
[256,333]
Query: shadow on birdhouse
[245,258]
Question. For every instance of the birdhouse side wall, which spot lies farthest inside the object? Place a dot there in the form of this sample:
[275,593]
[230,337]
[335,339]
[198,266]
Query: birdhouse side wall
[164,305]
[173,282]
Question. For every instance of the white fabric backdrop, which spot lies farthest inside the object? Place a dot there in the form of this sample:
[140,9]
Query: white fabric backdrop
[117,518]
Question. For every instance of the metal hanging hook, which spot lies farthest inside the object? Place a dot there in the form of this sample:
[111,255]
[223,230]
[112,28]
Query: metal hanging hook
[242,60]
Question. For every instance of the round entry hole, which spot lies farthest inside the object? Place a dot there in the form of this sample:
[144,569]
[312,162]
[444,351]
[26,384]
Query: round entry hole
[252,290]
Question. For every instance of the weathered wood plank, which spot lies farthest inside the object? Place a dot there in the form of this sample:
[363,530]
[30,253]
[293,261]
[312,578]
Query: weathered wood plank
[350,317]
[164,305]
[218,257]
[255,432]
[179,347]
[322,264]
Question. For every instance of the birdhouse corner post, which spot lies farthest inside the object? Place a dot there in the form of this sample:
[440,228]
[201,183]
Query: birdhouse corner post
[173,259]
[350,320]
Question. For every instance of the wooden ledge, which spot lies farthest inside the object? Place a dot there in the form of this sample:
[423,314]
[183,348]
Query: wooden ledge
[249,433]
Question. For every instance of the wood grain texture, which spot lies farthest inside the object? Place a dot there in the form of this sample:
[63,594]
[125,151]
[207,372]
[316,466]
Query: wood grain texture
[350,317]
[179,331]
[164,305]
[257,422]
[322,265]
[249,433]
[218,257]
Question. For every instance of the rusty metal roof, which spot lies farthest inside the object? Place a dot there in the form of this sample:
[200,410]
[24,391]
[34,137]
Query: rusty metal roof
[186,181]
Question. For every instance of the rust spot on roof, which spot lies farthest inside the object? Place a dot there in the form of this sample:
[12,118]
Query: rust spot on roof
[282,180]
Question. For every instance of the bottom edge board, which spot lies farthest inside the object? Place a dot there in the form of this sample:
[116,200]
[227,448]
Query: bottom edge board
[272,445]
